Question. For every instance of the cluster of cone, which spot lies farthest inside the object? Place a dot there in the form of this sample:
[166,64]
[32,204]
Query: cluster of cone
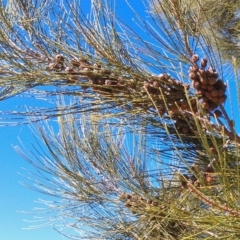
[134,202]
[138,204]
[57,64]
[100,79]
[210,95]
[154,212]
[104,80]
[205,81]
[206,175]
[167,93]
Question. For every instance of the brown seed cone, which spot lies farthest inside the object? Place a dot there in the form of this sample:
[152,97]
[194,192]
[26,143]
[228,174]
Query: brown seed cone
[163,77]
[100,81]
[201,92]
[231,123]
[193,69]
[50,67]
[217,113]
[203,80]
[208,74]
[193,76]
[128,196]
[185,130]
[84,87]
[215,99]
[211,73]
[194,58]
[208,169]
[214,93]
[184,180]
[122,196]
[83,62]
[215,75]
[75,62]
[212,106]
[187,108]
[184,104]
[96,65]
[161,111]
[222,99]
[170,81]
[156,84]
[149,201]
[220,85]
[208,94]
[180,121]
[69,69]
[204,86]
[87,70]
[92,80]
[202,72]
[128,204]
[212,81]
[205,99]
[205,105]
[203,62]
[151,89]
[193,101]
[196,85]
[105,71]
[55,66]
[213,149]
[209,179]
[195,108]
[109,82]
[174,108]
[220,92]
[210,88]
[59,58]
[132,83]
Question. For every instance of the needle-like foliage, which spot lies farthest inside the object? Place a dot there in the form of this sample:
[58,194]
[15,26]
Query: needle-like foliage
[127,183]
[144,147]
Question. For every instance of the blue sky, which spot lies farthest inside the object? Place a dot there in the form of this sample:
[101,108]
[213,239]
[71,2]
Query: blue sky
[14,198]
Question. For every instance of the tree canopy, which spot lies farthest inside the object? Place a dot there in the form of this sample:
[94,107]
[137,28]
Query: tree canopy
[144,146]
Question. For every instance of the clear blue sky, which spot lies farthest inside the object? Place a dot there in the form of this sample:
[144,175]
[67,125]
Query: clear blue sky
[13,196]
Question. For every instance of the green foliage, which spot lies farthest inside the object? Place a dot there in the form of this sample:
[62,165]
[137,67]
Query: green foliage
[144,147]
[218,21]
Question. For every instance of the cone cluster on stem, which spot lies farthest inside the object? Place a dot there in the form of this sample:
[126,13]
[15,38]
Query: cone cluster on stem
[205,81]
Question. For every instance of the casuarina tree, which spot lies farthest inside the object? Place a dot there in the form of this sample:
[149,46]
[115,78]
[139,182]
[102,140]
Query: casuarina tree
[144,146]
